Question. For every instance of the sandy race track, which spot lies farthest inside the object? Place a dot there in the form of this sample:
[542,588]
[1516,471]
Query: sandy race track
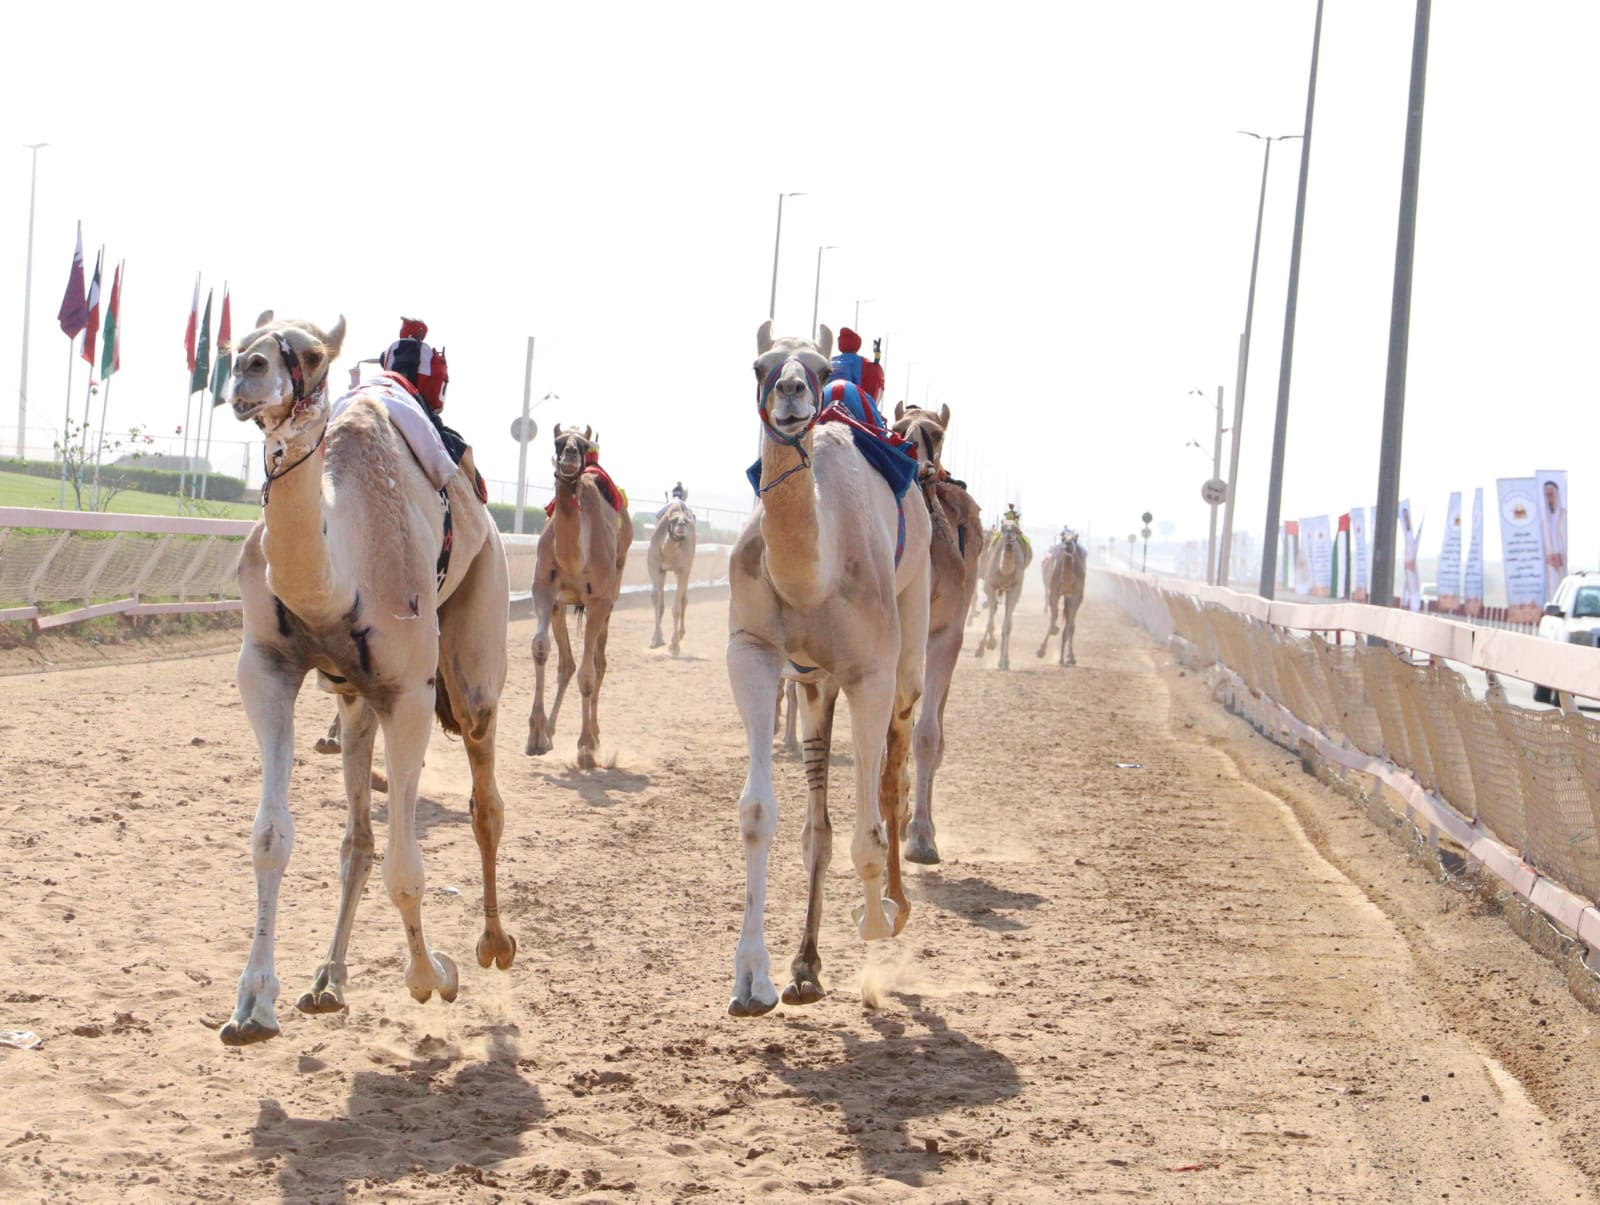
[1203,978]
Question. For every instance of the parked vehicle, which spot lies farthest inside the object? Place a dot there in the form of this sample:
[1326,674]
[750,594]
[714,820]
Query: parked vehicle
[1573,616]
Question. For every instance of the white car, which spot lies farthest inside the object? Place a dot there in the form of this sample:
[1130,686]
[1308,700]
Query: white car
[1573,616]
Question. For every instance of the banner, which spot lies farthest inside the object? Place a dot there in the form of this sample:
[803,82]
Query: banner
[1411,539]
[1316,551]
[1521,548]
[1450,557]
[1552,486]
[1362,581]
[1293,579]
[1472,585]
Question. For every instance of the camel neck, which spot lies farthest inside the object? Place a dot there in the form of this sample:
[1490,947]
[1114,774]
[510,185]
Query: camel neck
[300,568]
[789,520]
[568,520]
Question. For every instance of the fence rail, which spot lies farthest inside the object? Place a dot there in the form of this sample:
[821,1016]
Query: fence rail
[164,565]
[1518,790]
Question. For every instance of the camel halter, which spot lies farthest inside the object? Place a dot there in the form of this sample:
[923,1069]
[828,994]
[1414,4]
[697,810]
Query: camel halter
[302,403]
[764,395]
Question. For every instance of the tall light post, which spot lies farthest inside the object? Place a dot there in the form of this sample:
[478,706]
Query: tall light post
[1280,430]
[861,301]
[1226,553]
[816,295]
[777,243]
[1209,491]
[906,397]
[27,308]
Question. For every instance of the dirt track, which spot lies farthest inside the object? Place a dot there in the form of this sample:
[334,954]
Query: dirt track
[1122,982]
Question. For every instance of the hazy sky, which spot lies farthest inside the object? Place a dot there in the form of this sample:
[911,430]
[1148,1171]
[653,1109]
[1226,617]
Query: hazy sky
[1048,205]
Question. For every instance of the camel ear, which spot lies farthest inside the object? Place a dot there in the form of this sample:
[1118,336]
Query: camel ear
[334,339]
[557,434]
[588,435]
[764,338]
[825,342]
[899,411]
[944,416]
[263,318]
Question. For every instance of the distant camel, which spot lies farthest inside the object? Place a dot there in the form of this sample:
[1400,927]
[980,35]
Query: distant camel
[1004,562]
[1064,571]
[671,551]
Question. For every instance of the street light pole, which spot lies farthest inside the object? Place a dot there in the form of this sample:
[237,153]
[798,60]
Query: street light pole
[27,308]
[1269,534]
[522,440]
[861,301]
[906,397]
[816,295]
[777,242]
[1226,553]
[1394,390]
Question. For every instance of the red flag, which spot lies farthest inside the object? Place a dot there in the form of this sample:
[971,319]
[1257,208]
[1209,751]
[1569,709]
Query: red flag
[225,330]
[92,328]
[111,357]
[194,321]
[73,316]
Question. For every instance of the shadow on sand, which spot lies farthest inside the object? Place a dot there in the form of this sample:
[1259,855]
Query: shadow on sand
[595,787]
[429,812]
[976,900]
[882,1085]
[436,1115]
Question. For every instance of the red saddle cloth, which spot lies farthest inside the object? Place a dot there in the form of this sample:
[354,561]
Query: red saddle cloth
[609,489]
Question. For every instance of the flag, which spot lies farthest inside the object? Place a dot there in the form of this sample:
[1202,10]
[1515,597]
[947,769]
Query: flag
[194,316]
[92,326]
[224,365]
[200,376]
[74,315]
[111,357]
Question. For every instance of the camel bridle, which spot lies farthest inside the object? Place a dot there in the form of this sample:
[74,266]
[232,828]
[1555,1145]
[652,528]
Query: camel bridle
[303,401]
[764,395]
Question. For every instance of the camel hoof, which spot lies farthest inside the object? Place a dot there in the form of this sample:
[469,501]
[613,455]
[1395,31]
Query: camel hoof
[899,917]
[673,648]
[1072,661]
[497,948]
[656,641]
[538,744]
[878,928]
[328,744]
[246,1033]
[586,759]
[803,991]
[751,1006]
[452,984]
[321,1002]
[921,849]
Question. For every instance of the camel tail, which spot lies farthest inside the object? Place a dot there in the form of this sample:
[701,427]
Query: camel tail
[443,708]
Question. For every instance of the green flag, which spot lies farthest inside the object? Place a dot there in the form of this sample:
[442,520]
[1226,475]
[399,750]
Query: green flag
[111,338]
[202,355]
[224,367]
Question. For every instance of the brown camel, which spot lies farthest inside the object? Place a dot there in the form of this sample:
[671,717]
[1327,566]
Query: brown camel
[815,583]
[672,546]
[579,564]
[956,542]
[1004,562]
[394,590]
[1064,572]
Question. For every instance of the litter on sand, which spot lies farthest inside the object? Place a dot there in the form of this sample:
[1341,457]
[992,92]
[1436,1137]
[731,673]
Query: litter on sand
[20,1039]
[1129,765]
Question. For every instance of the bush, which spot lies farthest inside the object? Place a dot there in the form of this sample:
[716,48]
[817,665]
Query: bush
[505,517]
[219,488]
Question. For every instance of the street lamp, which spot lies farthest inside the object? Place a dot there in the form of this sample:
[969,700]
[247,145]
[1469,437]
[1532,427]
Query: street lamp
[816,295]
[1214,491]
[861,301]
[1244,356]
[906,396]
[777,242]
[27,306]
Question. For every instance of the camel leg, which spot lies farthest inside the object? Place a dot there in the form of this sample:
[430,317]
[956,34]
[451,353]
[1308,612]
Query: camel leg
[872,701]
[590,674]
[540,728]
[1069,626]
[356,852]
[565,665]
[267,690]
[927,742]
[816,837]
[680,612]
[894,787]
[1050,611]
[791,743]
[472,667]
[658,598]
[329,742]
[1005,631]
[991,600]
[753,670]
[406,729]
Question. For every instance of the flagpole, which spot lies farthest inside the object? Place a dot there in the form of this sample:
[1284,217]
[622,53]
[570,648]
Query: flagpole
[99,447]
[66,424]
[83,443]
[211,418]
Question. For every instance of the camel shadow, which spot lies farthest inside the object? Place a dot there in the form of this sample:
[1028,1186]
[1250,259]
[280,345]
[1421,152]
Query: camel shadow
[977,900]
[595,787]
[883,1085]
[428,813]
[435,1114]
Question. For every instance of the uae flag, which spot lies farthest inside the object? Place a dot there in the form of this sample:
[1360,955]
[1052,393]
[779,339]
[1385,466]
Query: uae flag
[74,315]
[200,370]
[92,327]
[224,365]
[111,356]
[194,317]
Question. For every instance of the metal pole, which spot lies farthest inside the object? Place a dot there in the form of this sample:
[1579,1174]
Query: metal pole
[27,309]
[772,302]
[1212,573]
[816,294]
[1225,553]
[183,465]
[1394,390]
[1269,531]
[66,424]
[527,400]
[906,397]
[83,441]
[99,447]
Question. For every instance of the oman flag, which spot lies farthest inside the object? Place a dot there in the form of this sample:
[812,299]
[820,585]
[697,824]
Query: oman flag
[92,328]
[111,357]
[224,365]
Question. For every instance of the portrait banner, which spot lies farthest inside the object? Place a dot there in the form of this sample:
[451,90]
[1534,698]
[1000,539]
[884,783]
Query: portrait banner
[1316,544]
[1362,581]
[1449,576]
[1521,548]
[1472,581]
[1552,487]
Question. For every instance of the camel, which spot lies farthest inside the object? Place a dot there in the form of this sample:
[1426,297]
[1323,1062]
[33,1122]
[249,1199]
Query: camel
[816,591]
[1005,560]
[790,694]
[1064,571]
[671,551]
[394,591]
[578,564]
[954,548]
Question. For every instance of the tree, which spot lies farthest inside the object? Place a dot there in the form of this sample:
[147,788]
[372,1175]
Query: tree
[72,452]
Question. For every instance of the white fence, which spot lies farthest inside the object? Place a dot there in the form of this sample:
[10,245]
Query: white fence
[160,565]
[1517,790]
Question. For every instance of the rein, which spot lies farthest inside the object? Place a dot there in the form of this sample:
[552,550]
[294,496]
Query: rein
[302,403]
[763,395]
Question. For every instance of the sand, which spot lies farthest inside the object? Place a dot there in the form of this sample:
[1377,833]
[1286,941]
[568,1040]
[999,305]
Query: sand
[1202,979]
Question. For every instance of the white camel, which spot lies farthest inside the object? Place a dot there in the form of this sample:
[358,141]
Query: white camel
[815,584]
[672,547]
[1004,562]
[393,589]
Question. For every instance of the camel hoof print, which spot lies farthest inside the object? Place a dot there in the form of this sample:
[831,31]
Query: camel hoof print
[246,1033]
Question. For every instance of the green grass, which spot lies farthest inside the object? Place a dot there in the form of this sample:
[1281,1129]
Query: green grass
[18,489]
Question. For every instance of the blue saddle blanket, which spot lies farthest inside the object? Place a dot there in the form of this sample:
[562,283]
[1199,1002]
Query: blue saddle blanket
[893,458]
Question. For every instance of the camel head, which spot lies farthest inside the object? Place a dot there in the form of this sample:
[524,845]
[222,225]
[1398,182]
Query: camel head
[280,371]
[925,430]
[678,521]
[572,451]
[1010,539]
[790,373]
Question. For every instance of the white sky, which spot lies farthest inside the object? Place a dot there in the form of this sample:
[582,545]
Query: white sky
[1047,203]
